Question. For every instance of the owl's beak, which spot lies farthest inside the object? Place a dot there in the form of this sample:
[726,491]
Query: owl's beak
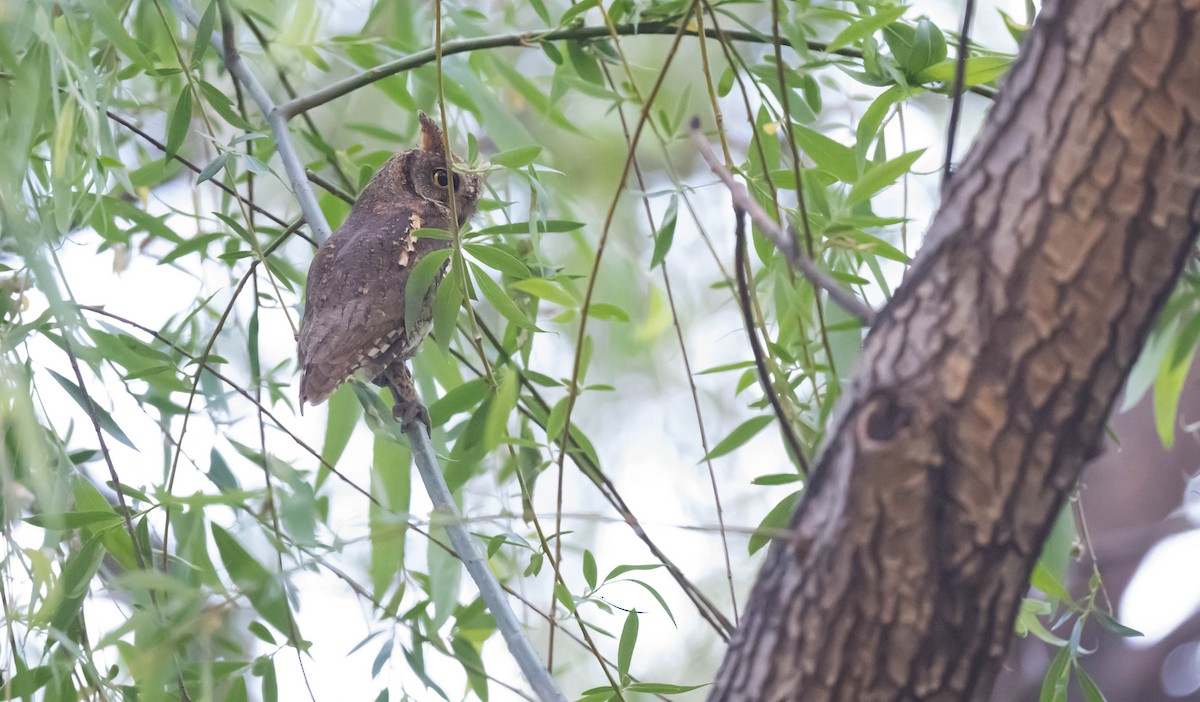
[431,133]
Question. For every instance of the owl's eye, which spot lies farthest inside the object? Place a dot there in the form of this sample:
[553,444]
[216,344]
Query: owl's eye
[442,179]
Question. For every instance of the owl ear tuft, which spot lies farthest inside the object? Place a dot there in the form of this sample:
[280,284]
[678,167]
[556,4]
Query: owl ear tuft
[431,133]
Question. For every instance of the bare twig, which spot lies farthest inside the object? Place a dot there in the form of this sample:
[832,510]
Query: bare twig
[786,244]
[740,265]
[960,71]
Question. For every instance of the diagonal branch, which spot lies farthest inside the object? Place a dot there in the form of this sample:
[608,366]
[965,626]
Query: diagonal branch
[786,244]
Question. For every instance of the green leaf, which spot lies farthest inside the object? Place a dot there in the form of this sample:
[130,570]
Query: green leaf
[258,584]
[777,519]
[881,176]
[829,155]
[72,587]
[1054,685]
[979,70]
[342,418]
[740,435]
[623,569]
[1168,386]
[177,125]
[665,234]
[516,158]
[213,167]
[204,32]
[1105,620]
[607,312]
[108,23]
[589,569]
[1045,581]
[500,300]
[468,656]
[777,479]
[459,399]
[445,311]
[420,280]
[576,11]
[1091,691]
[628,641]
[928,48]
[866,27]
[663,688]
[547,290]
[106,421]
[219,101]
[544,226]
[72,520]
[498,259]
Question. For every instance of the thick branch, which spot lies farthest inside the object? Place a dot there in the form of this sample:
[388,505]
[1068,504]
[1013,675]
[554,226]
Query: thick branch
[986,382]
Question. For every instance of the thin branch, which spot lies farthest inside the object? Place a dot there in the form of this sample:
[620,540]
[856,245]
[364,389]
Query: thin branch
[346,86]
[786,244]
[489,588]
[960,70]
[743,287]
[128,124]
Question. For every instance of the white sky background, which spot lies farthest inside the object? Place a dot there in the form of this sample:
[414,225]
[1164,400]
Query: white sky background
[647,443]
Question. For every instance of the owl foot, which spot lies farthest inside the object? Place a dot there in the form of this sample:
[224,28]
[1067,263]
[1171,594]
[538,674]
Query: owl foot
[409,412]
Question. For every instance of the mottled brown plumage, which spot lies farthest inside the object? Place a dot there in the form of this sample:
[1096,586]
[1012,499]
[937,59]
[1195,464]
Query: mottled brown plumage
[354,309]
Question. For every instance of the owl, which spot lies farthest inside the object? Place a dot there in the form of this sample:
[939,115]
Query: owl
[354,309]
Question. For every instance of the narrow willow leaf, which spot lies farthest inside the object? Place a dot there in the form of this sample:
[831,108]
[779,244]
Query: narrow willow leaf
[1091,691]
[446,307]
[1054,685]
[625,646]
[829,155]
[420,279]
[881,176]
[1168,387]
[665,234]
[177,125]
[204,32]
[459,399]
[545,226]
[516,158]
[258,584]
[866,27]
[979,70]
[106,421]
[778,518]
[110,24]
[547,290]
[72,520]
[589,569]
[607,312]
[498,259]
[500,300]
[740,435]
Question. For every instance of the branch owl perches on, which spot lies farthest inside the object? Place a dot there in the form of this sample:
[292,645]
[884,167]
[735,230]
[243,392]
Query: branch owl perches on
[354,314]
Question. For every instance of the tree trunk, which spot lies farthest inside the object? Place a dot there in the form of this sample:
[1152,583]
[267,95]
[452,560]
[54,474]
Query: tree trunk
[986,382]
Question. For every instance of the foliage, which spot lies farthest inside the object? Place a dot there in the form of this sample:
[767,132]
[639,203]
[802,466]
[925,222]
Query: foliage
[167,512]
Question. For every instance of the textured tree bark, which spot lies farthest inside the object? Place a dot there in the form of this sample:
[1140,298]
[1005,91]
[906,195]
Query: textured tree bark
[985,383]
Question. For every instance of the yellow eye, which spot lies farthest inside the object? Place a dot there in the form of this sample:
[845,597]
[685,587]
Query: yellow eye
[442,179]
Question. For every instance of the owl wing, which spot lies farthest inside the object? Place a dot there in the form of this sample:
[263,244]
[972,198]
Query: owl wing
[355,297]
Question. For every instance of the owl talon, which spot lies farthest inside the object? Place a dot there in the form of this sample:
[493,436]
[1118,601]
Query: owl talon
[409,412]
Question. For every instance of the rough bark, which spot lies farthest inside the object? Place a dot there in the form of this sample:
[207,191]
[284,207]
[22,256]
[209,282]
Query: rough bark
[985,383]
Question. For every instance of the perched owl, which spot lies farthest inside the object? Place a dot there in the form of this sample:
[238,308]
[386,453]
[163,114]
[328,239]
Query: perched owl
[354,309]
